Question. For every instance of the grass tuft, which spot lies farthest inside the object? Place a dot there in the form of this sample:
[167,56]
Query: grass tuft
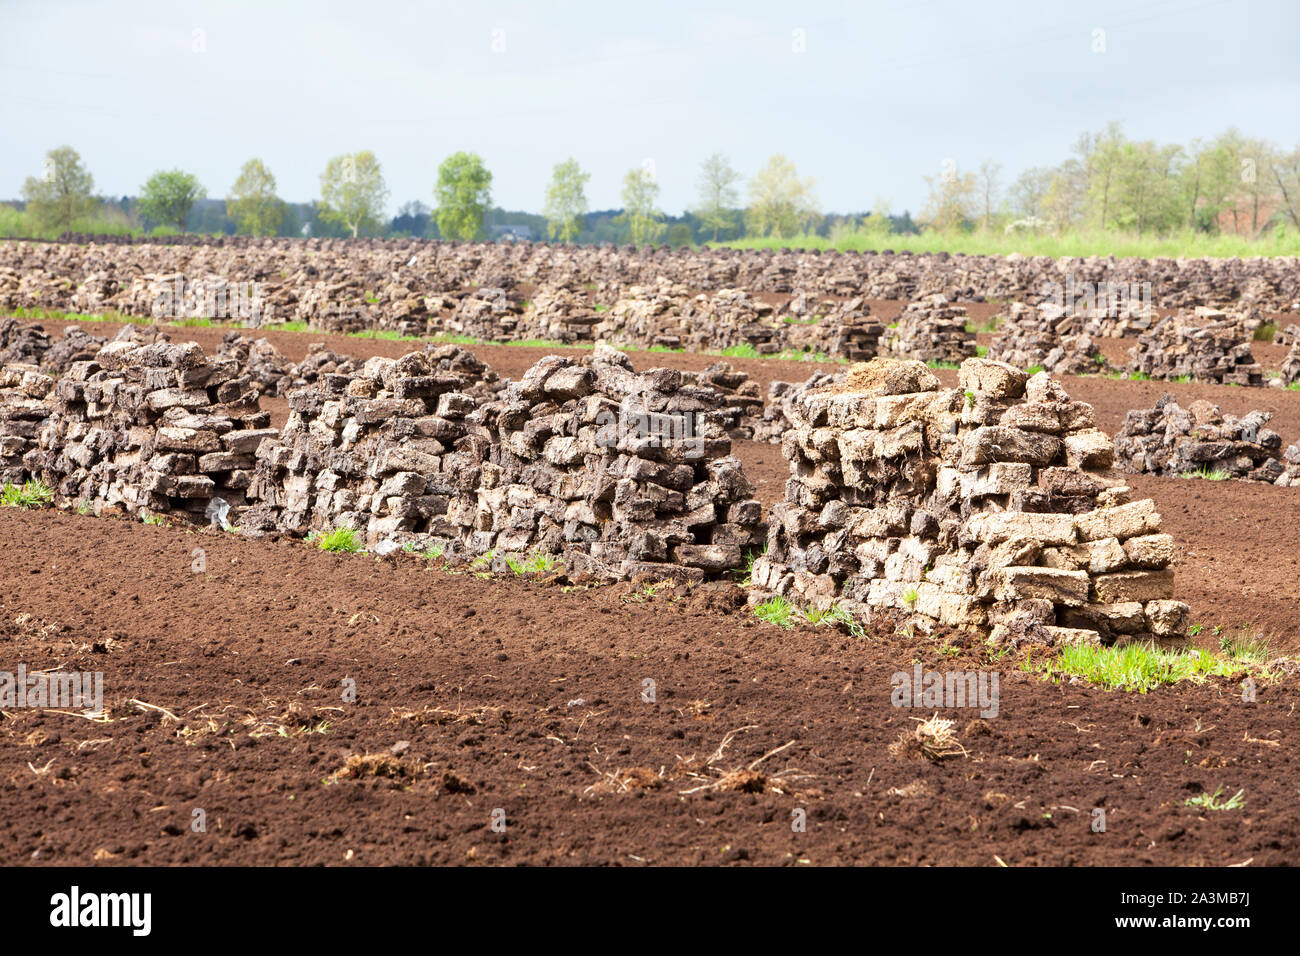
[338,541]
[32,493]
[1215,801]
[1133,667]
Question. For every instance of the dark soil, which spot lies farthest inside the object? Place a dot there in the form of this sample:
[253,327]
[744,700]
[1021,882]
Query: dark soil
[482,695]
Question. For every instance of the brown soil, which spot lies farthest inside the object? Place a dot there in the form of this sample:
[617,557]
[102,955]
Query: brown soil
[481,695]
[475,695]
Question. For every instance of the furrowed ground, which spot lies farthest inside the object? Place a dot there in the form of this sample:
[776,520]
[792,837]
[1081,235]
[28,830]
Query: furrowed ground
[472,696]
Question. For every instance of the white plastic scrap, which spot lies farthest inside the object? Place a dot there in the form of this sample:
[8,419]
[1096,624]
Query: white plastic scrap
[216,512]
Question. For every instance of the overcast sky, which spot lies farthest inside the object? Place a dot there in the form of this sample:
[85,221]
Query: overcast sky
[865,97]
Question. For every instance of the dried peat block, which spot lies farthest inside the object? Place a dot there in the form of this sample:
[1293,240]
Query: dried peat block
[990,506]
[1200,439]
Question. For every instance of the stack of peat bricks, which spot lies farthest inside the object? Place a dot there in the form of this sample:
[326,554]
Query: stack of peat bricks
[991,505]
[1290,372]
[1288,335]
[152,428]
[24,406]
[932,330]
[626,474]
[741,404]
[1045,338]
[377,450]
[731,318]
[264,364]
[561,314]
[1205,346]
[781,399]
[1201,440]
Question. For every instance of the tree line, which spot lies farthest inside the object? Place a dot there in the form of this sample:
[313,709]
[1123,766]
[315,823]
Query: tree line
[1109,183]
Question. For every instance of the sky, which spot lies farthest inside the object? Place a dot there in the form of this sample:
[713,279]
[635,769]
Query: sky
[866,98]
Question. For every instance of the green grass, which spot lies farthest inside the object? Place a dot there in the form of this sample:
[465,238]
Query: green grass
[107,221]
[1245,647]
[32,493]
[1082,243]
[1129,376]
[1206,473]
[777,610]
[535,563]
[1294,386]
[338,541]
[548,344]
[390,335]
[296,325]
[1215,801]
[1265,332]
[431,553]
[155,519]
[947,365]
[747,574]
[982,351]
[988,325]
[798,355]
[743,350]
[1033,370]
[1133,667]
[57,315]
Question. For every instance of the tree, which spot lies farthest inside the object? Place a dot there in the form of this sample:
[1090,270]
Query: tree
[780,203]
[169,196]
[718,194]
[252,202]
[987,182]
[680,235]
[1028,190]
[1101,158]
[566,201]
[464,195]
[413,218]
[63,192]
[1218,173]
[352,191]
[1147,196]
[1064,202]
[1258,188]
[641,208]
[879,223]
[952,199]
[1285,170]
